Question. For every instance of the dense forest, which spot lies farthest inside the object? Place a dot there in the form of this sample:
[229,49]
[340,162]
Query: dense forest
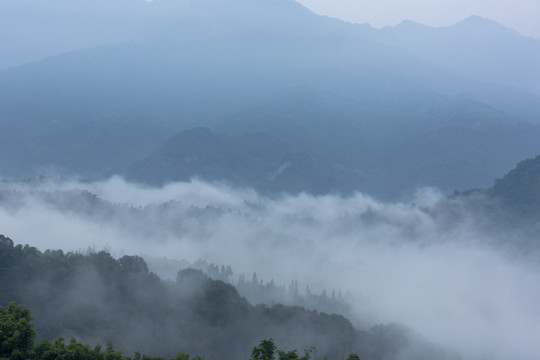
[508,210]
[18,335]
[258,291]
[96,298]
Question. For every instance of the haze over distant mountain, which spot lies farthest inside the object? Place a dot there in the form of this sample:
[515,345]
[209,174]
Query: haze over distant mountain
[516,195]
[384,106]
[257,160]
[32,29]
[475,47]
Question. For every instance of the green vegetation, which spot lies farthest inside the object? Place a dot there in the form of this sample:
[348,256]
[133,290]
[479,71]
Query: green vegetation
[267,350]
[17,343]
[94,298]
[16,332]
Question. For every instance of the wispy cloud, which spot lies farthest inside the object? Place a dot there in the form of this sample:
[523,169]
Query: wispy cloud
[400,262]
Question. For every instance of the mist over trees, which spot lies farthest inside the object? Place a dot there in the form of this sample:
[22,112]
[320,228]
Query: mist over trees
[331,242]
[228,179]
[97,298]
[258,291]
[18,343]
[510,203]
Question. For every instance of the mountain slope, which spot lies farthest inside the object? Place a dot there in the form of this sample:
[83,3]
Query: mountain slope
[519,189]
[475,47]
[302,147]
[329,90]
[98,298]
[31,30]
[256,160]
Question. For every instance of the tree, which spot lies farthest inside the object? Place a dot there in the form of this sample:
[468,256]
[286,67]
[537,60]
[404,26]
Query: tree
[134,264]
[181,356]
[265,350]
[292,355]
[111,354]
[5,241]
[16,332]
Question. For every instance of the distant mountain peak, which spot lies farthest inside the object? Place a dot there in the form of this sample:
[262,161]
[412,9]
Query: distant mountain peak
[483,26]
[477,19]
[234,5]
[409,25]
[255,14]
[473,24]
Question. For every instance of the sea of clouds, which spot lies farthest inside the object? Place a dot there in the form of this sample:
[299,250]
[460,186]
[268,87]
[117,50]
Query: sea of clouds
[400,262]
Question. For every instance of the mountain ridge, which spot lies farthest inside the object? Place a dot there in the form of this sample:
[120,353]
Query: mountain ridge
[327,90]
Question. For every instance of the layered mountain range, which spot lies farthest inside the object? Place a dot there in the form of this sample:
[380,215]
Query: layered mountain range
[264,94]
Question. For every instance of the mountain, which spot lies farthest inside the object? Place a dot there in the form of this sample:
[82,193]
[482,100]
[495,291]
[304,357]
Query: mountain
[476,47]
[273,148]
[31,30]
[256,160]
[519,189]
[347,97]
[514,197]
[508,211]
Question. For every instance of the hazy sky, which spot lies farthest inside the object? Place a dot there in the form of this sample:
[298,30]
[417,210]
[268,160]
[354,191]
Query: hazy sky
[521,15]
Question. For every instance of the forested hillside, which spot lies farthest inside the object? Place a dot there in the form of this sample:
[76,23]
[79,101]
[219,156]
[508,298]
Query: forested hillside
[519,189]
[513,197]
[95,297]
[508,211]
[17,343]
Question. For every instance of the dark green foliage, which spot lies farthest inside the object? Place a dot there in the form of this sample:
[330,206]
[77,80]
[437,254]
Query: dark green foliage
[292,355]
[95,297]
[74,350]
[16,332]
[267,350]
[17,336]
[264,351]
[17,344]
[181,356]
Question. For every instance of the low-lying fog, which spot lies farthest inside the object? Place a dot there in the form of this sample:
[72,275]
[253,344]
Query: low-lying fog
[401,263]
